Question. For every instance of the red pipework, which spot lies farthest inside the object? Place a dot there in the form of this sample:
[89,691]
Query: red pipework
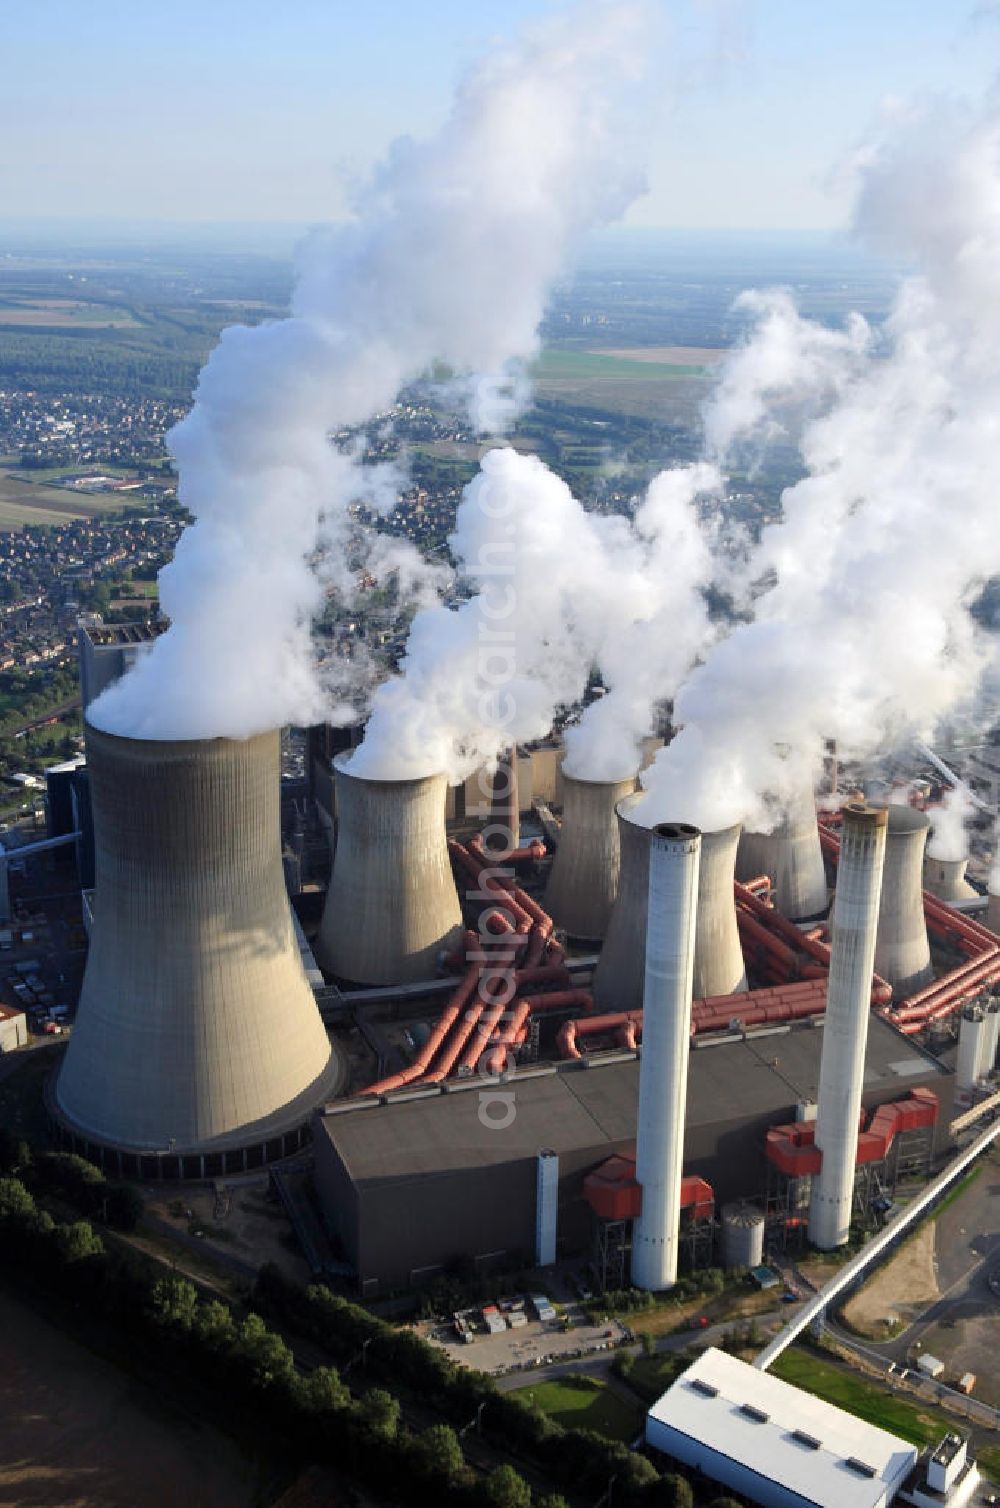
[801,941]
[445,1022]
[497,1060]
[712,1013]
[535,849]
[483,1031]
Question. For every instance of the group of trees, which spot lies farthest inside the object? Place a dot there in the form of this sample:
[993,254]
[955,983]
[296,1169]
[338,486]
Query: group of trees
[71,1181]
[242,1370]
[578,1460]
[249,1375]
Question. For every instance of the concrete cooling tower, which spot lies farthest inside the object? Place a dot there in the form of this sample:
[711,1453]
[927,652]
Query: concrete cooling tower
[945,878]
[584,881]
[197,1032]
[902,952]
[718,958]
[392,905]
[793,859]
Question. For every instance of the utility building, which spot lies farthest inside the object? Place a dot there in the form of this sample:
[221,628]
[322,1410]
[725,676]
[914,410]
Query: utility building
[414,1178]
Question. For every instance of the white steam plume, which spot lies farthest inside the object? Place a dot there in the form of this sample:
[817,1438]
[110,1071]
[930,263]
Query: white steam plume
[661,626]
[949,823]
[552,587]
[866,635]
[455,243]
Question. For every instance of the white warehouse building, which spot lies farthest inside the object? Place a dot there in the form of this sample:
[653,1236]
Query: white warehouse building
[783,1448]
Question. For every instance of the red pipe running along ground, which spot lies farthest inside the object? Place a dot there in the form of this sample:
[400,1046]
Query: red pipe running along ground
[483,1031]
[491,963]
[497,1062]
[459,1000]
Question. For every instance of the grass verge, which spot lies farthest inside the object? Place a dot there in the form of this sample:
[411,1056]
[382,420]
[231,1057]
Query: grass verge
[915,1422]
[584,1403]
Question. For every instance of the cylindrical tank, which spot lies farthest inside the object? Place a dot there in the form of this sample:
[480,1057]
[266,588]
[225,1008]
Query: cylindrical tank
[196,1029]
[742,1236]
[902,952]
[718,965]
[583,883]
[791,855]
[945,878]
[674,853]
[845,1029]
[392,905]
[973,1034]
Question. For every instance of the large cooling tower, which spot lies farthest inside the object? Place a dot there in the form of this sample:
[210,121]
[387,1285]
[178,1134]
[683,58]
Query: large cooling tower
[902,952]
[197,1030]
[791,855]
[392,905]
[584,880]
[718,960]
[945,878]
[845,1028]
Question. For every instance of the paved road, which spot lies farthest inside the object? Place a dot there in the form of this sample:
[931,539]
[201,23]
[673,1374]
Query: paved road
[599,1363]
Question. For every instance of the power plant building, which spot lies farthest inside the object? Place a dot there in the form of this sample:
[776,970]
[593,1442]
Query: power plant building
[405,1183]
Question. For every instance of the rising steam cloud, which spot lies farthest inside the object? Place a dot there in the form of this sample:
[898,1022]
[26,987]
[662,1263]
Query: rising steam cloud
[949,839]
[450,257]
[865,635]
[556,592]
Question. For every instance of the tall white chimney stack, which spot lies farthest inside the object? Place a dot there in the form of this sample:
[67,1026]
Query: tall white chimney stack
[845,1030]
[674,863]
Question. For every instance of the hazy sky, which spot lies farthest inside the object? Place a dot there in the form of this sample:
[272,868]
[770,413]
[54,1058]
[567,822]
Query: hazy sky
[263,109]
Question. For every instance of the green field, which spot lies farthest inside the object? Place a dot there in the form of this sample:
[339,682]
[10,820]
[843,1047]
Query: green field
[574,365]
[583,1403]
[911,1421]
[665,391]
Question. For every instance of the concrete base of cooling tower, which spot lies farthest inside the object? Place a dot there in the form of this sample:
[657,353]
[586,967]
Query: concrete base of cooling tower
[241,1150]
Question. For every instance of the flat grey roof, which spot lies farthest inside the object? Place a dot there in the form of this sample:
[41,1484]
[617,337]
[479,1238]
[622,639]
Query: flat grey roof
[577,1107]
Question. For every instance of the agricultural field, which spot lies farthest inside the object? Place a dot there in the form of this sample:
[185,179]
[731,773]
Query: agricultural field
[80,1434]
[38,502]
[64,314]
[626,381]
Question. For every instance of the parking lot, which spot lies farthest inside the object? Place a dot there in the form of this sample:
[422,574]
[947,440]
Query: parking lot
[530,1345]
